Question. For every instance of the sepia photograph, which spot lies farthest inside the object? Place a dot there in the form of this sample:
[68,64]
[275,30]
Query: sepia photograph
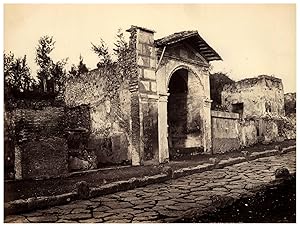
[149,113]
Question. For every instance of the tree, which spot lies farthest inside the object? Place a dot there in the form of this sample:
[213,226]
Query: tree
[102,51]
[51,74]
[78,70]
[121,45]
[43,59]
[17,76]
[217,82]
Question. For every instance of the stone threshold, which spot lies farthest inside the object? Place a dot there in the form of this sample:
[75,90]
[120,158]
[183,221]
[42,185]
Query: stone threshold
[42,202]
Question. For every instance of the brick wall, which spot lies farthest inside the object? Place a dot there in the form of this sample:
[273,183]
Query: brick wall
[38,139]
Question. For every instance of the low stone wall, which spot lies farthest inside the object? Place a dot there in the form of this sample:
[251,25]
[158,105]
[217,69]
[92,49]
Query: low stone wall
[225,131]
[229,132]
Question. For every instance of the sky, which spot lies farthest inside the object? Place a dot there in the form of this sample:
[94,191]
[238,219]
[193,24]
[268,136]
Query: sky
[251,39]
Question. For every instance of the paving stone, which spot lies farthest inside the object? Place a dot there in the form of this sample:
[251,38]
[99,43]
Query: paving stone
[102,208]
[182,200]
[101,214]
[165,202]
[172,213]
[139,202]
[148,213]
[118,217]
[15,219]
[80,210]
[65,221]
[220,189]
[120,211]
[76,216]
[117,204]
[43,219]
[144,219]
[190,197]
[92,220]
[119,221]
[56,210]
[171,200]
[234,186]
[159,198]
[131,198]
[143,206]
[72,206]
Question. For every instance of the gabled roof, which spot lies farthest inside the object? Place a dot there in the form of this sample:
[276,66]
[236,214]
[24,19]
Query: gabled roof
[194,39]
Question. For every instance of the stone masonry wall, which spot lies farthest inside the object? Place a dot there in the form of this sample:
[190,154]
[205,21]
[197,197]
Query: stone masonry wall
[109,115]
[39,144]
[261,96]
[146,111]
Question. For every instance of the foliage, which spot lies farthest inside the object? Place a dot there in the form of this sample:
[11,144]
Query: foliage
[118,69]
[290,103]
[17,76]
[78,70]
[43,59]
[217,82]
[119,66]
[102,51]
[51,74]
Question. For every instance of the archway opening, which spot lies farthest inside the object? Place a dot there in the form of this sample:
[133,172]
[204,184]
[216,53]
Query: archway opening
[177,111]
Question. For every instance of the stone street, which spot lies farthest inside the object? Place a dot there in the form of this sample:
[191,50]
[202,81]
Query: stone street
[169,201]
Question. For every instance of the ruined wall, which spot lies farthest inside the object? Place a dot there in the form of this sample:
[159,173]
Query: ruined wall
[109,114]
[248,133]
[225,131]
[261,96]
[38,142]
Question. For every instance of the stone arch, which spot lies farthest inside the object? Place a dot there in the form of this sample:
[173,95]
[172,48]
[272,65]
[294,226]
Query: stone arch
[182,66]
[184,119]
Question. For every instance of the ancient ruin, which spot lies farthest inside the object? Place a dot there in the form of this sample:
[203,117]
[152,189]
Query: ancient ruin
[148,108]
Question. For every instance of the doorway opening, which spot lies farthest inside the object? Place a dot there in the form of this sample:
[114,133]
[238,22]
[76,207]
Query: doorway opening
[177,111]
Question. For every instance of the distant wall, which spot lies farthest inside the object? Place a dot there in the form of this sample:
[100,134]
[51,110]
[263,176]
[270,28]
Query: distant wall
[261,96]
[225,131]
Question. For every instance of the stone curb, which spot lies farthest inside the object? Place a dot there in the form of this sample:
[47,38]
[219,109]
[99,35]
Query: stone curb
[31,204]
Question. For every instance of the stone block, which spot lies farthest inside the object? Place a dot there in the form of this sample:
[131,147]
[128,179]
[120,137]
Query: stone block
[144,86]
[144,61]
[145,37]
[149,74]
[145,49]
[152,63]
[153,86]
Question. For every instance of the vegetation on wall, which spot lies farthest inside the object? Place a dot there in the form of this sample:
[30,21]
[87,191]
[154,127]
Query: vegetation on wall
[217,82]
[119,67]
[78,70]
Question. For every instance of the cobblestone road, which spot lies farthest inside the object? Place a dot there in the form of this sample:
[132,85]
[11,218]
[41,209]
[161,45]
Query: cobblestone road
[166,202]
